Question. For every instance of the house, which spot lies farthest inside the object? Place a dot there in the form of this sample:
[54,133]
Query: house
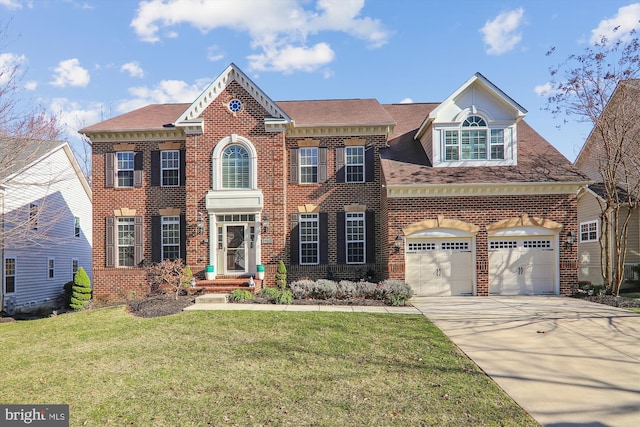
[46,228]
[460,197]
[618,120]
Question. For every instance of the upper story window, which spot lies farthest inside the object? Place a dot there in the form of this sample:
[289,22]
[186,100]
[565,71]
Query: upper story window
[76,226]
[170,168]
[33,216]
[308,165]
[124,168]
[474,140]
[354,163]
[235,167]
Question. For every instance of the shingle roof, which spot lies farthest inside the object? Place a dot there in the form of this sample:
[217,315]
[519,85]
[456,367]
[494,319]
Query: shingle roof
[405,161]
[16,154]
[336,112]
[151,117]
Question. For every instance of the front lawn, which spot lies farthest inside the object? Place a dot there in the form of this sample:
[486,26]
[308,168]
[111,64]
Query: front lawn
[248,368]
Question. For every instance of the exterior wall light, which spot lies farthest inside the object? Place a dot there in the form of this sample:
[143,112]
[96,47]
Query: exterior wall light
[200,223]
[397,243]
[265,224]
[571,239]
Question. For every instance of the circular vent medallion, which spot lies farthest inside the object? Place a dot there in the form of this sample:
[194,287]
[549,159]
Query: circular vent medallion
[235,105]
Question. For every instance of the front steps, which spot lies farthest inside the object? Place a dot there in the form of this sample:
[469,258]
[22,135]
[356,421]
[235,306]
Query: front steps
[217,291]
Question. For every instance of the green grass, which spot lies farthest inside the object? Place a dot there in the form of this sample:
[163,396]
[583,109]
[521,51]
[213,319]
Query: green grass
[248,368]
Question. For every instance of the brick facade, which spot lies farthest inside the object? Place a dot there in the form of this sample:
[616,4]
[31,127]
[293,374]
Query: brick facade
[283,198]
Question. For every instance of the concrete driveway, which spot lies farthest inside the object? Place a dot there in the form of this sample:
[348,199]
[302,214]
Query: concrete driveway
[567,362]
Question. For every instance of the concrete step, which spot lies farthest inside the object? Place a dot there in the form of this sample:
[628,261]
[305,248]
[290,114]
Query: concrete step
[212,299]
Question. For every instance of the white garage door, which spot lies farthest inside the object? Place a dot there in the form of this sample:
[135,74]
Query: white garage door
[439,267]
[522,266]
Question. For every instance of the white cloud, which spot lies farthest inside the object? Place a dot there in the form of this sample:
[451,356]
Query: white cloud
[11,4]
[290,58]
[70,73]
[31,85]
[214,53]
[501,35]
[133,68]
[618,27]
[407,101]
[276,28]
[73,117]
[10,64]
[167,91]
[544,90]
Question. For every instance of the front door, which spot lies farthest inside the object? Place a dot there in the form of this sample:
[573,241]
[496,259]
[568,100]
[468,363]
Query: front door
[235,251]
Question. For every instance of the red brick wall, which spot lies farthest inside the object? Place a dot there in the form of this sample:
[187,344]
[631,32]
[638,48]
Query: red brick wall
[483,211]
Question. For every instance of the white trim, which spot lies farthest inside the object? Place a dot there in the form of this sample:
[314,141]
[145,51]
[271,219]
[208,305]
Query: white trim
[216,162]
[587,223]
[482,189]
[51,270]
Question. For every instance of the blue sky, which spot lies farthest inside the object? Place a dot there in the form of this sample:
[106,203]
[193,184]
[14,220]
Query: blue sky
[89,60]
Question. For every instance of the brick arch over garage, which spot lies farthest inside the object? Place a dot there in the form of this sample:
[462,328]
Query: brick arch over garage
[525,221]
[441,222]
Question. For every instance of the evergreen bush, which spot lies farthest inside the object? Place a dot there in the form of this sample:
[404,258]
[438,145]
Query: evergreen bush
[281,276]
[81,290]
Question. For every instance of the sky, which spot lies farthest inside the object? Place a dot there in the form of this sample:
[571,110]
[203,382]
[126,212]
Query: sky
[90,60]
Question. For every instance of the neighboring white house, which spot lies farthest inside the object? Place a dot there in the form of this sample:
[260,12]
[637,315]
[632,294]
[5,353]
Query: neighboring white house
[46,226]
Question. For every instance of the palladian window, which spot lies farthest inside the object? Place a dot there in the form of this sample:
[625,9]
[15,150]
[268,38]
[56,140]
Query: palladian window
[474,140]
[235,167]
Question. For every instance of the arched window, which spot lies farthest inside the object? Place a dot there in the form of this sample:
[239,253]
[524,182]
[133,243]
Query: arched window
[474,140]
[235,167]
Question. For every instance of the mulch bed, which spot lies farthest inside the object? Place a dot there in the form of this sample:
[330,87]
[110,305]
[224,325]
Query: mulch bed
[621,302]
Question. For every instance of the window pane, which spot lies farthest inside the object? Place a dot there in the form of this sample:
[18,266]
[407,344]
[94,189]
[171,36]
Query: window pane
[309,239]
[170,237]
[308,165]
[474,144]
[451,145]
[497,144]
[235,167]
[10,275]
[354,164]
[125,168]
[170,166]
[126,241]
[355,238]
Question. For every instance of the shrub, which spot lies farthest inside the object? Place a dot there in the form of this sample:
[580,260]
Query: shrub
[395,292]
[167,275]
[346,289]
[281,276]
[284,297]
[302,288]
[187,275]
[271,294]
[239,295]
[81,290]
[324,289]
[68,291]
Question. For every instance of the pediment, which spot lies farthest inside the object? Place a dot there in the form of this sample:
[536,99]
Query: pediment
[191,119]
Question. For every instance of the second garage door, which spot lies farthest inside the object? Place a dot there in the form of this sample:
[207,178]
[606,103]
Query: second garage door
[439,267]
[522,266]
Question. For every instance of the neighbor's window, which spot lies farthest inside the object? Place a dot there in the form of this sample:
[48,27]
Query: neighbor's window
[309,239]
[74,267]
[51,268]
[355,238]
[76,226]
[126,241]
[170,237]
[235,167]
[308,165]
[170,168]
[589,231]
[9,275]
[125,166]
[354,164]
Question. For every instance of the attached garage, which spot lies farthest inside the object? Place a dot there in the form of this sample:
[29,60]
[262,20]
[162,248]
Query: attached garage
[439,264]
[523,261]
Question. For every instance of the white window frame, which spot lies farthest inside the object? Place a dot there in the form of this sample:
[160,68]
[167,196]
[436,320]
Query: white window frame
[588,225]
[308,165]
[14,275]
[309,238]
[51,268]
[76,226]
[33,216]
[494,137]
[75,265]
[240,177]
[129,222]
[349,163]
[354,239]
[169,239]
[169,162]
[122,165]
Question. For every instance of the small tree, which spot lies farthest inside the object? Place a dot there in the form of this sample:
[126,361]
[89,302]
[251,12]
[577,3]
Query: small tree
[187,275]
[81,290]
[281,276]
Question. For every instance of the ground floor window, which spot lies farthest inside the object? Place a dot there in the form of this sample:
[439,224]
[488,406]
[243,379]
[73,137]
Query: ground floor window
[126,241]
[170,237]
[355,237]
[9,275]
[309,239]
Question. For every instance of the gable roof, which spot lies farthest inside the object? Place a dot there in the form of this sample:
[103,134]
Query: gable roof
[211,92]
[15,161]
[477,78]
[405,162]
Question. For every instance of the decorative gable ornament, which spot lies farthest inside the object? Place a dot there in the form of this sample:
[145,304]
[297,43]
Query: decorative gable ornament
[192,122]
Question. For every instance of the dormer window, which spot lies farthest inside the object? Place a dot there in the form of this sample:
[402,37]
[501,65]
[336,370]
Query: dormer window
[474,140]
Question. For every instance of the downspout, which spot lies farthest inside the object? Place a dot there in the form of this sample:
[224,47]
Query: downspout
[2,248]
